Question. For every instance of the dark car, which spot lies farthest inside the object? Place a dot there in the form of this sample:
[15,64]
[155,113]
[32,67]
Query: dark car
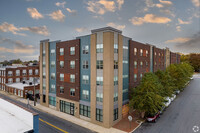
[153,117]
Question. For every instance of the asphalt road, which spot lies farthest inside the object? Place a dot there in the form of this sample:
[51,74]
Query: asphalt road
[53,124]
[182,115]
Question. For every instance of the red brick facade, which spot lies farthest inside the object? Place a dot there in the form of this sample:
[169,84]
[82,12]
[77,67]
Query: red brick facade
[158,59]
[66,70]
[142,56]
[173,58]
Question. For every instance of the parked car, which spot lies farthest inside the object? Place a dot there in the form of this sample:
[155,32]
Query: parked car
[153,117]
[168,101]
[162,110]
[177,92]
[172,97]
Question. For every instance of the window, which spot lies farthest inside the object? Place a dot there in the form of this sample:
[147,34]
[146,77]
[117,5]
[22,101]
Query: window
[115,97]
[135,64]
[135,77]
[147,52]
[141,52]
[31,79]
[53,76]
[99,115]
[99,81]
[99,97]
[52,52]
[53,88]
[17,80]
[72,50]
[53,63]
[99,64]
[125,62]
[72,64]
[125,47]
[44,75]
[155,54]
[10,80]
[115,64]
[85,49]
[115,114]
[99,48]
[141,76]
[61,51]
[116,80]
[115,48]
[72,91]
[17,72]
[61,64]
[85,94]
[43,63]
[72,78]
[61,89]
[30,72]
[61,77]
[141,64]
[67,107]
[146,63]
[135,51]
[85,64]
[24,72]
[155,64]
[36,71]
[52,101]
[85,79]
[10,73]
[85,110]
[158,54]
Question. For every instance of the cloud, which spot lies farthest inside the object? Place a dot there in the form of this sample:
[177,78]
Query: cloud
[178,28]
[83,29]
[184,22]
[101,6]
[57,15]
[196,3]
[61,4]
[73,12]
[167,12]
[166,3]
[34,13]
[120,27]
[18,47]
[42,30]
[6,27]
[190,46]
[178,40]
[159,5]
[120,3]
[149,18]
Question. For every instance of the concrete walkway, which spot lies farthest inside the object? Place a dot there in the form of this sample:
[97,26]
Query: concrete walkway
[67,117]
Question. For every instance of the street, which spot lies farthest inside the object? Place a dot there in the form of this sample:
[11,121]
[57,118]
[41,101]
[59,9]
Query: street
[52,124]
[182,116]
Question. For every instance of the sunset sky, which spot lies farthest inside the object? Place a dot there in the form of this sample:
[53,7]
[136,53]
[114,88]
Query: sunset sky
[23,23]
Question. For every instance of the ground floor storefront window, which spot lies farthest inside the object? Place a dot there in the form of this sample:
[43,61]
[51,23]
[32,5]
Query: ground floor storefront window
[85,110]
[52,101]
[99,115]
[67,107]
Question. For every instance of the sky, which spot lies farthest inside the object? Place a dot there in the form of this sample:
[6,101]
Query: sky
[164,23]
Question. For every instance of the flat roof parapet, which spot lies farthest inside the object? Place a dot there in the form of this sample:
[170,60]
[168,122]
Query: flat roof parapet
[104,29]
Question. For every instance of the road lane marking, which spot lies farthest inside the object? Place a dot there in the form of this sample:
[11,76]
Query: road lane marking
[53,126]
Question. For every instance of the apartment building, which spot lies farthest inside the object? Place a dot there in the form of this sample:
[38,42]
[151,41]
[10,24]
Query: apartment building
[12,78]
[90,77]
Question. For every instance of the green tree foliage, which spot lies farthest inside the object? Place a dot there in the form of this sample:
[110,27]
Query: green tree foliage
[195,61]
[167,82]
[146,97]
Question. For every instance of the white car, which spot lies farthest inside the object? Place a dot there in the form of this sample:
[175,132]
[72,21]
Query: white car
[168,101]
[173,97]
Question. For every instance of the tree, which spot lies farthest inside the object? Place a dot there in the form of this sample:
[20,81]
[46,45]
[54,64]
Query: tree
[195,61]
[167,82]
[146,97]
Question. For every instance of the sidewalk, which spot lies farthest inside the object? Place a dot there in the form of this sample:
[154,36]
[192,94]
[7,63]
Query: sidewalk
[67,117]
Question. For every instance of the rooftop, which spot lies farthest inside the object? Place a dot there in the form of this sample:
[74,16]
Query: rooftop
[106,29]
[14,119]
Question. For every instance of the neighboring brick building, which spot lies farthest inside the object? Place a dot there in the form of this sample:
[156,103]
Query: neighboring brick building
[139,63]
[173,58]
[90,77]
[16,74]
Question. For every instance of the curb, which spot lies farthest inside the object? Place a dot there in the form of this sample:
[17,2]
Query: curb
[137,126]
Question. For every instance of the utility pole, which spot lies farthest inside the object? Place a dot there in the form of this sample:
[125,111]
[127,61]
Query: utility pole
[34,92]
